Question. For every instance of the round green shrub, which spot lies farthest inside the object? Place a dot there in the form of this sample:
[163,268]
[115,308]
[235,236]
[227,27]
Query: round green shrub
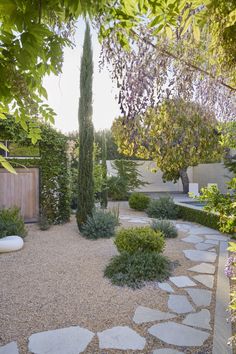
[133,269]
[143,239]
[162,208]
[101,224]
[12,223]
[166,227]
[138,201]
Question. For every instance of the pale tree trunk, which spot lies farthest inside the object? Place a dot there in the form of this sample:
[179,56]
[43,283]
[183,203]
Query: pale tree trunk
[185,180]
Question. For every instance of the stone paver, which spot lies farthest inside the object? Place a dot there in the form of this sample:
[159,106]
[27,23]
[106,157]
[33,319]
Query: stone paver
[217,237]
[200,256]
[10,348]
[145,314]
[71,340]
[203,246]
[212,242]
[179,304]
[200,319]
[200,297]
[121,337]
[207,280]
[178,334]
[204,231]
[166,351]
[165,287]
[192,239]
[212,250]
[182,281]
[203,268]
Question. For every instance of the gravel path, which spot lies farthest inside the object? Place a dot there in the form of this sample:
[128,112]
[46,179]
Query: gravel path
[57,281]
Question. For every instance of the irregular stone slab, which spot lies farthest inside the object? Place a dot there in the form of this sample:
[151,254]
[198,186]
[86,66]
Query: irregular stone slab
[217,237]
[203,268]
[212,242]
[202,246]
[205,231]
[207,280]
[166,351]
[165,287]
[200,319]
[145,314]
[10,348]
[183,227]
[192,239]
[200,256]
[200,297]
[179,304]
[121,337]
[212,250]
[71,340]
[178,334]
[182,281]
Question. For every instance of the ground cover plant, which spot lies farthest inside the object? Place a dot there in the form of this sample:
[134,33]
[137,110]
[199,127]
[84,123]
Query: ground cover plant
[139,201]
[162,208]
[101,224]
[166,227]
[11,223]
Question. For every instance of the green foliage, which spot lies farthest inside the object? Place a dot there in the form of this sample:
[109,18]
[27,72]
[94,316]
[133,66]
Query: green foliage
[11,223]
[86,134]
[104,189]
[117,188]
[101,224]
[143,239]
[138,201]
[230,271]
[43,222]
[200,216]
[166,227]
[162,208]
[134,269]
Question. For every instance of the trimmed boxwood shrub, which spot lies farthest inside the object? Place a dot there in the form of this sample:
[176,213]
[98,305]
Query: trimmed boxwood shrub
[138,201]
[200,216]
[162,208]
[11,223]
[142,239]
[167,228]
[101,224]
[133,269]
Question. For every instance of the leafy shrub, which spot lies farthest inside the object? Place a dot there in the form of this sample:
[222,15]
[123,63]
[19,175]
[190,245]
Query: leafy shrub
[139,239]
[200,216]
[138,201]
[117,188]
[44,224]
[163,208]
[101,224]
[11,223]
[166,227]
[133,269]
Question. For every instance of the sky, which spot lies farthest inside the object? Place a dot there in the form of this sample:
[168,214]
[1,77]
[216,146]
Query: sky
[63,91]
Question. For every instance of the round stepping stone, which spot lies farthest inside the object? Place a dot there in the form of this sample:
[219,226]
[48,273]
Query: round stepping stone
[200,297]
[203,268]
[145,314]
[182,281]
[200,319]
[71,340]
[179,304]
[10,348]
[200,256]
[121,337]
[178,334]
[166,351]
[192,239]
[207,280]
[165,287]
[202,246]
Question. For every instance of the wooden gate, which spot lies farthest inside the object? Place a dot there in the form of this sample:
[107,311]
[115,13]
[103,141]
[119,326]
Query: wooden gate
[21,190]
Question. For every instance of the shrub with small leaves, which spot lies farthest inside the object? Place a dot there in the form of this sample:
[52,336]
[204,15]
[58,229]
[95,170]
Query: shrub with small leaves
[162,208]
[139,201]
[167,228]
[142,239]
[11,223]
[101,224]
[44,224]
[134,269]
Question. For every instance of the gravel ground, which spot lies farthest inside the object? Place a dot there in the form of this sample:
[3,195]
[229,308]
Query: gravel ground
[57,281]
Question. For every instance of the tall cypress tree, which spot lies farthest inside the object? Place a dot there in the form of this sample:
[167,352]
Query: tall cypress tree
[104,191]
[86,134]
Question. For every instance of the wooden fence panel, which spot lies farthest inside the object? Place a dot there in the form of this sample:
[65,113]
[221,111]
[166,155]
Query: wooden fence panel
[21,190]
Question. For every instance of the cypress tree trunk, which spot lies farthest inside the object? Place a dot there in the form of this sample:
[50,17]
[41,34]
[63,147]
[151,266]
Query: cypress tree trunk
[185,180]
[104,191]
[86,134]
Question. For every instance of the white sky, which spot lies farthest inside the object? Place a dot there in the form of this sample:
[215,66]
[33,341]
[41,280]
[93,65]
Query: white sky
[63,91]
